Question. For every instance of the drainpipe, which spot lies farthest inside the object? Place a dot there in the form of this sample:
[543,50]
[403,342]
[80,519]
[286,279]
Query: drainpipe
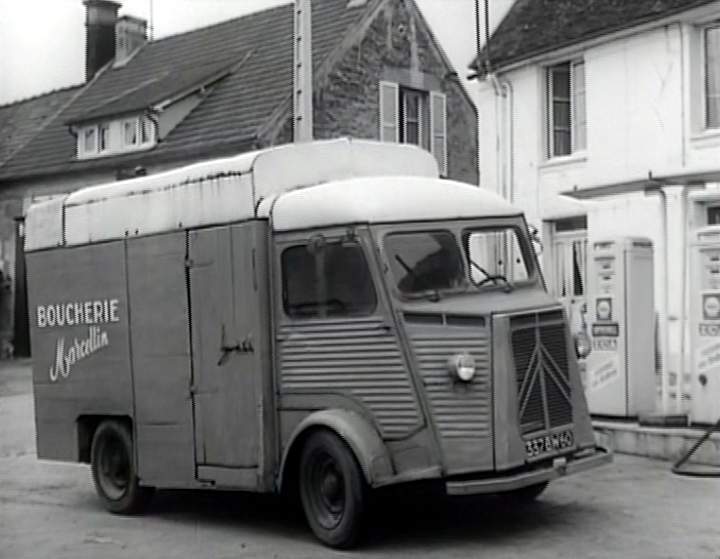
[507,93]
[657,188]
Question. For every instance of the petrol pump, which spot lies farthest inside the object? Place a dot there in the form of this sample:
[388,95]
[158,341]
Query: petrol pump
[705,325]
[621,315]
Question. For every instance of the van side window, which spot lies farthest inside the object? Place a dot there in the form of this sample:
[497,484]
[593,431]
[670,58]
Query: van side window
[327,280]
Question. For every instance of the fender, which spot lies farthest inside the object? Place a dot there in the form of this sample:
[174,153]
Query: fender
[361,437]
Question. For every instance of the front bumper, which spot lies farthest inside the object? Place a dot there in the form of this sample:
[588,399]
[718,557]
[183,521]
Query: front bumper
[564,466]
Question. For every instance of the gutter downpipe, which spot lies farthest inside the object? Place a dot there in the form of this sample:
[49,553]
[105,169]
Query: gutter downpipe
[508,95]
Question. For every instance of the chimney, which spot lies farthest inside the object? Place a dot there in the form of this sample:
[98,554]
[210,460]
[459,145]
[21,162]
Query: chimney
[130,35]
[101,16]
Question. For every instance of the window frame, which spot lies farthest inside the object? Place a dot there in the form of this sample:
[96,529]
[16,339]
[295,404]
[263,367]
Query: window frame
[304,243]
[432,127]
[573,93]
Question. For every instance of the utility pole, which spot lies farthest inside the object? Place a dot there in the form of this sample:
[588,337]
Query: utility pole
[302,73]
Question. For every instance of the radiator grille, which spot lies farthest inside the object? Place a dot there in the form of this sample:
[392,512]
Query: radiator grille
[541,363]
[358,358]
[458,411]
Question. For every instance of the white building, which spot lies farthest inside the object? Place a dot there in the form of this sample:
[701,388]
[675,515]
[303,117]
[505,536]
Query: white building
[617,104]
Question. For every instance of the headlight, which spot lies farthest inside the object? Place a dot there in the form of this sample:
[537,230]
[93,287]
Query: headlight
[462,367]
[582,345]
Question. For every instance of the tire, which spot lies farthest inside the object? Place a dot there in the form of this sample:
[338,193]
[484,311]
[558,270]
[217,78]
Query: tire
[113,470]
[333,491]
[527,494]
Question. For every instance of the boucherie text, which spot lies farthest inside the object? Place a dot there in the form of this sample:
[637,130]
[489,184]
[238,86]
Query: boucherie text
[78,313]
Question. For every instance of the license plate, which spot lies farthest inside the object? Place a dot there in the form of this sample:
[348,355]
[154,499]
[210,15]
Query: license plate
[550,443]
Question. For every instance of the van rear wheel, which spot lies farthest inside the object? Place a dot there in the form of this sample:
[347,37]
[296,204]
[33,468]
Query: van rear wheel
[332,490]
[113,469]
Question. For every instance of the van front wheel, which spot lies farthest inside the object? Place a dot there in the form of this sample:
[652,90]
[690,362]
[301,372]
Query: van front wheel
[113,469]
[332,490]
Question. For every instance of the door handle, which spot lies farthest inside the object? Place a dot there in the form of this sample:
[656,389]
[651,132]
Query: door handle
[245,346]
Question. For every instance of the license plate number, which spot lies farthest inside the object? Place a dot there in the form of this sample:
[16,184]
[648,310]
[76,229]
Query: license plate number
[550,443]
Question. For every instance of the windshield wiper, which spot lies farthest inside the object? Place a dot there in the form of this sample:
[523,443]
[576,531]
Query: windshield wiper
[435,295]
[495,278]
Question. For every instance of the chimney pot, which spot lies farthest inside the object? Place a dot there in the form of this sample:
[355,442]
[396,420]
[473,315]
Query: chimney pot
[130,35]
[100,20]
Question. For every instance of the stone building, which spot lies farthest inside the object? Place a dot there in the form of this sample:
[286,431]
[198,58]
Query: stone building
[378,73]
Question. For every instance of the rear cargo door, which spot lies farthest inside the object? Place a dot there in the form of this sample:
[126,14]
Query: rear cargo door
[229,353]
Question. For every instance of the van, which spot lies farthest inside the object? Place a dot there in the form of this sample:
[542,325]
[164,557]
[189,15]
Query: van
[330,317]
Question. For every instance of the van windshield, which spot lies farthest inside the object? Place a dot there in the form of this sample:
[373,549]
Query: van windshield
[425,261]
[496,257]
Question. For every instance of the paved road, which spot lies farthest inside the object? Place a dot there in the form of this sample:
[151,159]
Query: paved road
[634,508]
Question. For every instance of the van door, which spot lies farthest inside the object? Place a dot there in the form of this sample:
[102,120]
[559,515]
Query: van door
[229,343]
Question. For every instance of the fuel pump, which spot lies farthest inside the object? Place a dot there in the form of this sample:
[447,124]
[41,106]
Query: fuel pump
[621,314]
[705,325]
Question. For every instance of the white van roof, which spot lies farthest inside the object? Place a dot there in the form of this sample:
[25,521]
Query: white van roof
[383,200]
[333,178]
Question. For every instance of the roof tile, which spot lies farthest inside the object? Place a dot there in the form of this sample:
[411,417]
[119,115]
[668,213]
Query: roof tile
[236,107]
[533,27]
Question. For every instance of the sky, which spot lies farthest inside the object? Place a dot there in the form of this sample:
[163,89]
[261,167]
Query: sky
[42,42]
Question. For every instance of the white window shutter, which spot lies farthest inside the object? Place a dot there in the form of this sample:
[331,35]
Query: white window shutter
[389,112]
[438,130]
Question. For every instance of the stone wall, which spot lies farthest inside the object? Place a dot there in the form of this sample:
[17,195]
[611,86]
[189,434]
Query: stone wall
[346,100]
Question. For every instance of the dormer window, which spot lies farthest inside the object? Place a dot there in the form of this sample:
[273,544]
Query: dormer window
[116,137]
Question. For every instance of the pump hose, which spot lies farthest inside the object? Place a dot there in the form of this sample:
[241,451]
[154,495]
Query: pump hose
[697,472]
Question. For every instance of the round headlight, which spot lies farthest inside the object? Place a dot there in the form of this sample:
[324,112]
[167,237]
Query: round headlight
[462,367]
[583,346]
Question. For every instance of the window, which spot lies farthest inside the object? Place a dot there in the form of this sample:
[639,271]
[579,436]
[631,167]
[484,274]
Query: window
[566,113]
[116,136]
[146,130]
[103,137]
[89,145]
[327,279]
[130,132]
[425,261]
[411,124]
[712,77]
[495,254]
[713,215]
[415,117]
